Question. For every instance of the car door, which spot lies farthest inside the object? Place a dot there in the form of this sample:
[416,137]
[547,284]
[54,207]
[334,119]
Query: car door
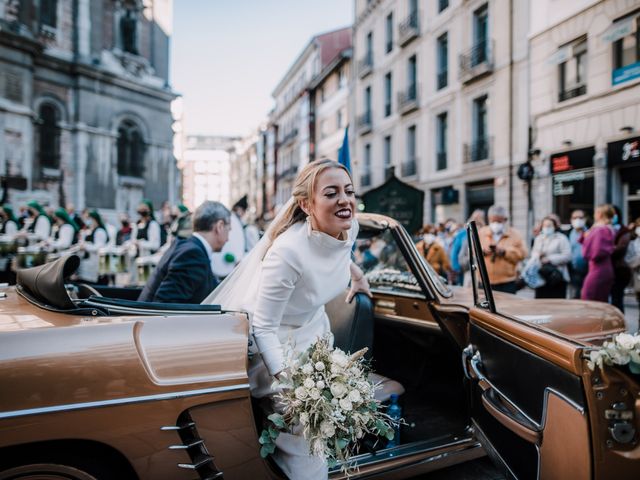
[535,406]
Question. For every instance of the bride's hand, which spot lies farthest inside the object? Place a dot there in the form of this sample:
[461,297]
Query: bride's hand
[358,285]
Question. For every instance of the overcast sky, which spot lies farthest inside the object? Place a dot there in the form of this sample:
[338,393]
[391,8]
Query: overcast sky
[227,56]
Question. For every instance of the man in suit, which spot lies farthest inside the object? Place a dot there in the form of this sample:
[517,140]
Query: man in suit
[184,272]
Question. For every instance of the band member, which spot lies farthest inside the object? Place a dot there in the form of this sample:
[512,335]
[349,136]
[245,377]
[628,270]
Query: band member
[40,224]
[10,225]
[148,230]
[67,231]
[97,239]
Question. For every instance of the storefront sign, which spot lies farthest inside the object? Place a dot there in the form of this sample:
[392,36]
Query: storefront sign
[573,160]
[397,200]
[624,152]
[625,74]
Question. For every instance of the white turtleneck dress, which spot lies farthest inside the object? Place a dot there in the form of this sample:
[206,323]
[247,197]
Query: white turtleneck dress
[302,271]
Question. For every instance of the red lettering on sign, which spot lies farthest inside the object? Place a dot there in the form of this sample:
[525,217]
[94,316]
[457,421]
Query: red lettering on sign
[560,164]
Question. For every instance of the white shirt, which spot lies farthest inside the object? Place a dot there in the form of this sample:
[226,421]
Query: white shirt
[99,240]
[11,228]
[42,230]
[152,242]
[302,271]
[206,244]
[65,237]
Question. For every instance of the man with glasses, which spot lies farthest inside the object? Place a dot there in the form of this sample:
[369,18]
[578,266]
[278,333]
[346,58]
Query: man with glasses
[184,273]
[578,267]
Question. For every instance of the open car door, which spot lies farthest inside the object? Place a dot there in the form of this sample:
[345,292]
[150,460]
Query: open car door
[536,407]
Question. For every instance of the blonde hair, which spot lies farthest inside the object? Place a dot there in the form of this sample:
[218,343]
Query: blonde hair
[303,189]
[606,211]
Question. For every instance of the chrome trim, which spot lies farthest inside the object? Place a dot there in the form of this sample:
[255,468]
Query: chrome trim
[123,401]
[146,311]
[185,447]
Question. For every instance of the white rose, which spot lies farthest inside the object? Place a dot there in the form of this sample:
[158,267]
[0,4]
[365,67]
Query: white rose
[300,393]
[626,341]
[338,390]
[309,383]
[327,429]
[354,396]
[314,393]
[307,369]
[304,418]
[339,358]
[334,401]
[319,366]
[320,384]
[345,404]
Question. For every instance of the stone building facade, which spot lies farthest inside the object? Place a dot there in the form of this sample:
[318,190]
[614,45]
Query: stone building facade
[585,105]
[440,99]
[85,103]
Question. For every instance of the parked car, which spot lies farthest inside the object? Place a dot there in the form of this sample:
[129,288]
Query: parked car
[95,385]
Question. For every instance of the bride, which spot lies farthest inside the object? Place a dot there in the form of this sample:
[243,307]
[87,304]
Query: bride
[302,262]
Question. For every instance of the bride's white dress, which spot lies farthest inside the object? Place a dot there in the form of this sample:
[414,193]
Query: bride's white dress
[302,270]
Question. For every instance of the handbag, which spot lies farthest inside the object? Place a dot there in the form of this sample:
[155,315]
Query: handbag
[551,274]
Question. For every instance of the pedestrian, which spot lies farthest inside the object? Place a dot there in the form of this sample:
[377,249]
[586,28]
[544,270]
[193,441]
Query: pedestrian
[148,236]
[597,247]
[124,233]
[503,250]
[66,232]
[97,238]
[578,267]
[462,247]
[553,252]
[184,272]
[621,271]
[632,258]
[10,224]
[432,251]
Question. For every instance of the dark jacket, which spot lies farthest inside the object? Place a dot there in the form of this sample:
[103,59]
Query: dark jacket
[183,275]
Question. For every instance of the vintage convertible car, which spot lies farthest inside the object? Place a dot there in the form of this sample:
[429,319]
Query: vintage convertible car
[95,385]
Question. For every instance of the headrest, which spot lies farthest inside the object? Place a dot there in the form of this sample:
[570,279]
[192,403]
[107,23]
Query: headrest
[46,282]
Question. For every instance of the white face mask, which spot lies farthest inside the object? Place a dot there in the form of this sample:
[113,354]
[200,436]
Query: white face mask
[577,223]
[548,231]
[496,227]
[638,231]
[429,238]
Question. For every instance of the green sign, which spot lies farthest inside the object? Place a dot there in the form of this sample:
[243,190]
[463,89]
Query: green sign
[397,200]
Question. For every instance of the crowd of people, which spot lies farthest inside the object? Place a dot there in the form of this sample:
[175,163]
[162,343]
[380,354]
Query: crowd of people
[593,260]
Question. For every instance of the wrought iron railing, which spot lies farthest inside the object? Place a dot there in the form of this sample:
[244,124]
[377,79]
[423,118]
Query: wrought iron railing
[568,93]
[476,61]
[408,99]
[365,179]
[364,122]
[408,168]
[478,150]
[365,65]
[441,163]
[409,28]
[442,79]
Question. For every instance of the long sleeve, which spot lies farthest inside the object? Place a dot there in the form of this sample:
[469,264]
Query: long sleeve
[42,230]
[99,241]
[65,237]
[186,272]
[598,245]
[516,251]
[277,282]
[11,228]
[153,237]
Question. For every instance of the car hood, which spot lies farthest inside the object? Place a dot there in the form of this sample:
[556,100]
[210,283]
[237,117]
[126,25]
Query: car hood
[578,319]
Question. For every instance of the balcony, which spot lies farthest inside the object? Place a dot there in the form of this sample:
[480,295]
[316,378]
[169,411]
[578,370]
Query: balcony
[479,150]
[408,100]
[364,123]
[288,173]
[441,161]
[365,65]
[573,92]
[365,179]
[442,79]
[409,29]
[288,138]
[408,168]
[476,62]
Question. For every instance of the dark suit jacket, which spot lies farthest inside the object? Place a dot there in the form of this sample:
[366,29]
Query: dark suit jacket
[183,275]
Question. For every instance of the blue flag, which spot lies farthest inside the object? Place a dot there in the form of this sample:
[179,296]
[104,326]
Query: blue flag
[343,153]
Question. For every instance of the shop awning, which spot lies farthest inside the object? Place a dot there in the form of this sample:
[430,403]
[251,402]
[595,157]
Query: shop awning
[620,29]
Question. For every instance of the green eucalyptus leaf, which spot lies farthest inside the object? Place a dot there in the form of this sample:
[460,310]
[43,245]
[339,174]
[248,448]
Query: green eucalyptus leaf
[277,420]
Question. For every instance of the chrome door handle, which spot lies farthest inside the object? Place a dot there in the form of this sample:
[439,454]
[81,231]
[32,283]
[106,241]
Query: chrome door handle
[467,353]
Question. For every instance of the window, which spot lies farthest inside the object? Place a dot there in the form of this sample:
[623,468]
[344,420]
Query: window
[365,179]
[387,94]
[480,144]
[443,61]
[626,53]
[409,165]
[367,100]
[339,118]
[441,142]
[413,8]
[129,31]
[48,13]
[389,33]
[369,57]
[480,36]
[387,152]
[442,4]
[49,136]
[130,150]
[412,73]
[572,72]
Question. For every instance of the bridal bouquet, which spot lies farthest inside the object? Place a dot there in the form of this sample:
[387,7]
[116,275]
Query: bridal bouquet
[327,394]
[622,350]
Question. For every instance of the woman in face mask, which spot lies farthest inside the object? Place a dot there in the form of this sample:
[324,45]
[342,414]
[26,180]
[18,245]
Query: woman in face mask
[621,271]
[578,267]
[433,251]
[632,258]
[553,250]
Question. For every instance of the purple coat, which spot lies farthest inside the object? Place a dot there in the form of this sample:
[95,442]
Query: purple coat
[597,247]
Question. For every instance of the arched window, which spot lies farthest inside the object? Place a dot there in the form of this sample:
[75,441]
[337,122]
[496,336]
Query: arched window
[130,150]
[49,136]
